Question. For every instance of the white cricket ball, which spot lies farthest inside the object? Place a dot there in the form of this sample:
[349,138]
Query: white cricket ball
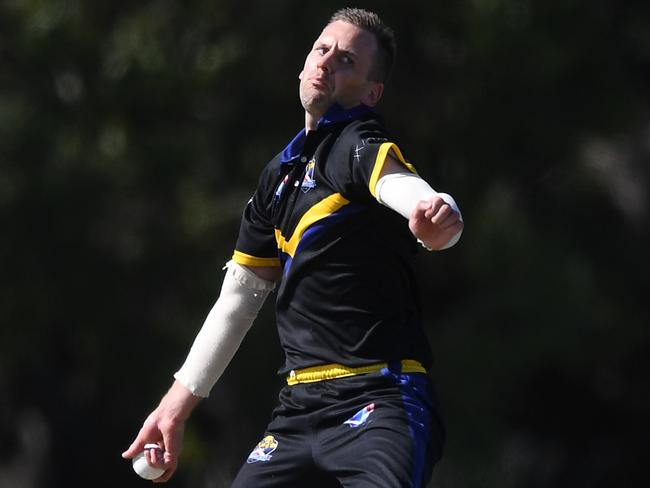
[142,467]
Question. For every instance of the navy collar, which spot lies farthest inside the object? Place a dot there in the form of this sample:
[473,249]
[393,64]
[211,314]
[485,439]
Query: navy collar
[335,114]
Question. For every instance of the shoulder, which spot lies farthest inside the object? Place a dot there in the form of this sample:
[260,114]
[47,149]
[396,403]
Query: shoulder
[269,176]
[272,169]
[366,130]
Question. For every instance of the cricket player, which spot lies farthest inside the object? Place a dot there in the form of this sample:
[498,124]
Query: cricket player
[333,226]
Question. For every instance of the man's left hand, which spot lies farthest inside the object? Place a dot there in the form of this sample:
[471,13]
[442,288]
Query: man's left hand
[435,223]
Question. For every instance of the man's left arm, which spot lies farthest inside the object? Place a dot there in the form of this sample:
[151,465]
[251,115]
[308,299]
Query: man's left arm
[434,218]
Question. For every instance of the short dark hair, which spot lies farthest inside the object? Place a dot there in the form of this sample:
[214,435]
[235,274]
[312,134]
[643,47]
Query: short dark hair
[386,46]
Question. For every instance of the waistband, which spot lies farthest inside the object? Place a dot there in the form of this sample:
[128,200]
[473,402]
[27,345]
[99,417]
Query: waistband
[333,371]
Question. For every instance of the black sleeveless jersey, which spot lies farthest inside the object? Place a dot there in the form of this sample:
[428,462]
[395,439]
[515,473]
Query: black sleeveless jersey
[348,293]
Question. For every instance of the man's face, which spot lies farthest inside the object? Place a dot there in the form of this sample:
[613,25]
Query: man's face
[336,69]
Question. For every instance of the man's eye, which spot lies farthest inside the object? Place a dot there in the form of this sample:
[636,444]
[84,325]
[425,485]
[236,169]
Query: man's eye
[321,50]
[346,59]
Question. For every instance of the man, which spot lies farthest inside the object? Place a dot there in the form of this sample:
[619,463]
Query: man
[327,224]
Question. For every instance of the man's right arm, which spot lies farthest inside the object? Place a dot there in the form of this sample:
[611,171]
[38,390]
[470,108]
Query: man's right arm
[242,295]
[268,273]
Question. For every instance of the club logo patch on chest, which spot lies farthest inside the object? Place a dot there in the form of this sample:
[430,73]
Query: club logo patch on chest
[308,181]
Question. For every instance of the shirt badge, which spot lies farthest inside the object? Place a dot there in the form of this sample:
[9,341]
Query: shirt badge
[263,450]
[308,181]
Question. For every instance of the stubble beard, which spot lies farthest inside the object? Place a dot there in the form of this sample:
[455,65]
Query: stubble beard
[314,101]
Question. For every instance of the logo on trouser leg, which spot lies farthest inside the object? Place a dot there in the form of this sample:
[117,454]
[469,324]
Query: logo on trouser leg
[361,416]
[263,450]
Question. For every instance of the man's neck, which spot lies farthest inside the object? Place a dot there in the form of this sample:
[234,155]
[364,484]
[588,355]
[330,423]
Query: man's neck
[311,120]
[333,113]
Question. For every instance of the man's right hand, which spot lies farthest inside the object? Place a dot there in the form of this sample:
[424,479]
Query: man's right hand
[165,426]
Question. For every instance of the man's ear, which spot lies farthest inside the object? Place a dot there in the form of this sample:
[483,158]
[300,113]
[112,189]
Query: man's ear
[373,95]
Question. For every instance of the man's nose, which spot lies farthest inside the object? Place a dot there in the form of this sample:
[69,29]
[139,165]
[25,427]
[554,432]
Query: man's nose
[325,61]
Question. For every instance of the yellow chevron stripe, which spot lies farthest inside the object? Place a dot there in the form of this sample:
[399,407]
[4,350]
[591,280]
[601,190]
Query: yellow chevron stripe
[322,209]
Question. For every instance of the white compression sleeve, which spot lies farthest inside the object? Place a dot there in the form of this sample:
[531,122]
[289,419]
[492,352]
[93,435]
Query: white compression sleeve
[242,295]
[402,192]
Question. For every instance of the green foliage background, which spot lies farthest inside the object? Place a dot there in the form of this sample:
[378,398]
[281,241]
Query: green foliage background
[131,136]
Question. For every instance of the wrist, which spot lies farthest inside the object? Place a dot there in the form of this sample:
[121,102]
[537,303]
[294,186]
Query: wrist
[424,245]
[179,402]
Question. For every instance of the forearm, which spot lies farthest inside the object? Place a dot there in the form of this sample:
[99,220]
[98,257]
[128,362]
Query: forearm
[242,295]
[403,192]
